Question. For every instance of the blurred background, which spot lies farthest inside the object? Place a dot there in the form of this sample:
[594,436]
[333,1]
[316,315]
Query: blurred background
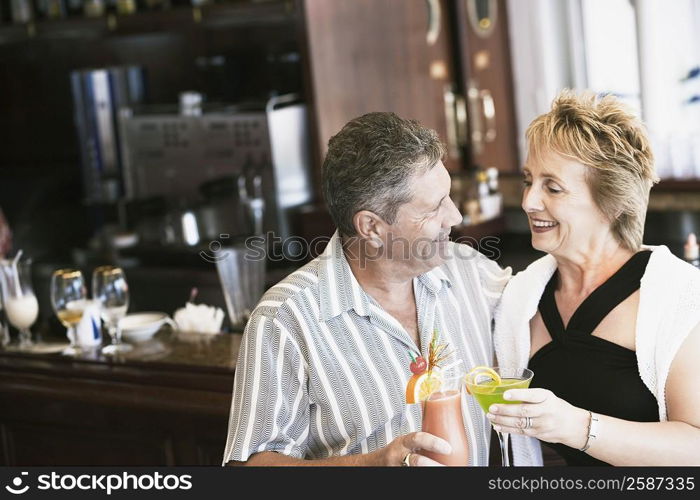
[157,135]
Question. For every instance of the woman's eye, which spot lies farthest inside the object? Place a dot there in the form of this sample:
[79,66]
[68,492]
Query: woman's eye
[527,182]
[553,189]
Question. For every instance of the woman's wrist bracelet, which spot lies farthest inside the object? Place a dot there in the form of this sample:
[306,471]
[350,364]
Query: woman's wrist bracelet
[592,430]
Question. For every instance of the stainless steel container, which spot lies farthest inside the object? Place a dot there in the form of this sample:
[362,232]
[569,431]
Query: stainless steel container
[241,270]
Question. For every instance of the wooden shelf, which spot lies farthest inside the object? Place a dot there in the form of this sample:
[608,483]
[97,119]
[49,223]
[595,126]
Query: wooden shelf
[243,13]
[492,227]
[681,185]
[13,32]
[678,185]
[248,14]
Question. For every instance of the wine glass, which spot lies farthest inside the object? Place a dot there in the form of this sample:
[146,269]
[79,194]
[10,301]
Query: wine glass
[69,299]
[21,306]
[109,287]
[488,390]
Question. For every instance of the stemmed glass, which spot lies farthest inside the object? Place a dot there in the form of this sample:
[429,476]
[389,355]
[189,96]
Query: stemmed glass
[488,390]
[109,287]
[69,299]
[19,300]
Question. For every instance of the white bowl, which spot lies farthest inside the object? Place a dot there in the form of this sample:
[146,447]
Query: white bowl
[140,327]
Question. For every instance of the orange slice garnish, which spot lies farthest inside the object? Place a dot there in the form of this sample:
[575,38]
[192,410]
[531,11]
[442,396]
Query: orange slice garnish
[421,387]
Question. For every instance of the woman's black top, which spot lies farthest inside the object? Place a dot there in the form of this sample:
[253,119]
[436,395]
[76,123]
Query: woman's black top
[587,371]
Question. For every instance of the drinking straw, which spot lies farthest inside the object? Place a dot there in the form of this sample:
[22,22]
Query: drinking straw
[18,289]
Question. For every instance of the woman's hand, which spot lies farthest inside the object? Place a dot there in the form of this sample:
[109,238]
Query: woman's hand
[551,418]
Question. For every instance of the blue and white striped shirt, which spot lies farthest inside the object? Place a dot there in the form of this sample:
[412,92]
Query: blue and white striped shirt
[322,368]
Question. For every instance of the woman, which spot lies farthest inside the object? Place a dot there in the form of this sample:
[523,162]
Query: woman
[611,328]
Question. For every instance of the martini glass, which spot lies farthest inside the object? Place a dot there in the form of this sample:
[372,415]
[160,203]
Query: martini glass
[488,391]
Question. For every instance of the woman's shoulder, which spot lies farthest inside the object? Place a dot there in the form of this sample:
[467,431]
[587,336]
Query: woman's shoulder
[670,295]
[668,271]
[523,292]
[537,271]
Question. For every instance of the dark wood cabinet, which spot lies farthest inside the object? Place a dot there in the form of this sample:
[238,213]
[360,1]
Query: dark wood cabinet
[422,59]
[369,55]
[167,409]
[486,83]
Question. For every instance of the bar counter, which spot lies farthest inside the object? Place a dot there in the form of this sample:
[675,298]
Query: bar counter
[164,403]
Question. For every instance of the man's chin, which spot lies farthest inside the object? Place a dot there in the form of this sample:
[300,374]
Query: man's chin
[434,260]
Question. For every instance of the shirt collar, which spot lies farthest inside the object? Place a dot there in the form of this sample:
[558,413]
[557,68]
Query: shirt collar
[338,287]
[340,291]
[434,279]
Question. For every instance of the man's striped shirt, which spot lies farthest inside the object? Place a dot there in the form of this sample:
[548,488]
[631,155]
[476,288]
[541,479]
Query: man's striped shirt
[322,368]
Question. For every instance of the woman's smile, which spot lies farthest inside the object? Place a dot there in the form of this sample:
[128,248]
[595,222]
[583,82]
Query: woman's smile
[541,225]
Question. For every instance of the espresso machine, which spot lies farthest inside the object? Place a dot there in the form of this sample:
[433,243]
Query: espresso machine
[208,172]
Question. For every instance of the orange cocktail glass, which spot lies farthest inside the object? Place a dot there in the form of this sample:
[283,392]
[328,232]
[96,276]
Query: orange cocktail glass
[442,417]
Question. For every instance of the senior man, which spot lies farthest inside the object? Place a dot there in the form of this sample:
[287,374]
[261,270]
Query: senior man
[325,357]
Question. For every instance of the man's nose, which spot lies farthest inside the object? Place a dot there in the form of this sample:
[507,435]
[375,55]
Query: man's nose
[454,216]
[532,201]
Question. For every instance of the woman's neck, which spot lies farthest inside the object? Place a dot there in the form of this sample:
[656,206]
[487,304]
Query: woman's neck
[584,271]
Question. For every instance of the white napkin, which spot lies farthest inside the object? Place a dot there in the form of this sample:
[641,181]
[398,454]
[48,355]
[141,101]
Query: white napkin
[88,330]
[199,318]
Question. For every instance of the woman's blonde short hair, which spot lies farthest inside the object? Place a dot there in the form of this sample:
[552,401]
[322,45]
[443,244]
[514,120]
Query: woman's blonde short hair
[603,134]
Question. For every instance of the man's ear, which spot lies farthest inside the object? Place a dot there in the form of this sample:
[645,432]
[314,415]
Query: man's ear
[369,227]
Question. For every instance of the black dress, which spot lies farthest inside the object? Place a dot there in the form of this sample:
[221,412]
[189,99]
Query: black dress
[587,371]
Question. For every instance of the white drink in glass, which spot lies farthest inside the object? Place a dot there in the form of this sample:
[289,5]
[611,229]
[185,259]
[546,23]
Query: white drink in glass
[22,311]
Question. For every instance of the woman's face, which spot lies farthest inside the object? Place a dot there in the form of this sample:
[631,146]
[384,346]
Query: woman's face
[564,220]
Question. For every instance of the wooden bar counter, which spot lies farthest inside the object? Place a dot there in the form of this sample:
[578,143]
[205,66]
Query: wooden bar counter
[164,403]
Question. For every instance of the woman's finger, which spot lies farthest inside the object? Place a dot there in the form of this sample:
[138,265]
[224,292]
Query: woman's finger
[515,430]
[526,395]
[515,422]
[517,410]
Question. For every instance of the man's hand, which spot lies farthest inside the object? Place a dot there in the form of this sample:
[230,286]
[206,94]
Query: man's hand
[414,443]
[392,454]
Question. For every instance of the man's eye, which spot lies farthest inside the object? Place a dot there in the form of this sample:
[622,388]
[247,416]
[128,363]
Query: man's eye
[527,182]
[554,189]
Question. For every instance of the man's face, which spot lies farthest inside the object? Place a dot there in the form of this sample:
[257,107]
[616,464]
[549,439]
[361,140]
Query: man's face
[418,236]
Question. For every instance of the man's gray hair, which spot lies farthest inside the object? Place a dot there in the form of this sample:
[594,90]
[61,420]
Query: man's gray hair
[369,165]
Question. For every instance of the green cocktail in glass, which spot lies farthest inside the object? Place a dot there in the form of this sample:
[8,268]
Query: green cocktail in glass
[487,385]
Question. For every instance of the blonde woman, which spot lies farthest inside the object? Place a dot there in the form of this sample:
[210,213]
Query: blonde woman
[609,326]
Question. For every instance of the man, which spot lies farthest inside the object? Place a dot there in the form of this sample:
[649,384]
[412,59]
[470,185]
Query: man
[325,357]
